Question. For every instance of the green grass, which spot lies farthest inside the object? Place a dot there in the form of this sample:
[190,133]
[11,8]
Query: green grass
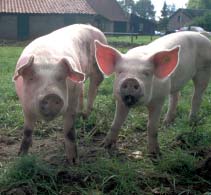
[99,172]
[142,40]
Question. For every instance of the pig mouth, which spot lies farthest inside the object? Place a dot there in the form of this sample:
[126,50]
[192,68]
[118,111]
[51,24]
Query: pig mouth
[49,116]
[130,100]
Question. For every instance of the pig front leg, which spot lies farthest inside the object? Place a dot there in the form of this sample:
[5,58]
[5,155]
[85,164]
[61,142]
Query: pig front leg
[81,101]
[70,138]
[172,108]
[96,78]
[27,135]
[121,113]
[154,109]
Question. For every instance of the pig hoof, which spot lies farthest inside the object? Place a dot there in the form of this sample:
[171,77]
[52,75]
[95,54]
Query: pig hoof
[21,153]
[83,115]
[73,161]
[109,144]
[168,121]
[193,120]
[154,156]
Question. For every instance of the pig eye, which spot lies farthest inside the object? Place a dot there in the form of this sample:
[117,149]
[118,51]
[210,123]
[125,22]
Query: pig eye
[31,78]
[147,73]
[59,78]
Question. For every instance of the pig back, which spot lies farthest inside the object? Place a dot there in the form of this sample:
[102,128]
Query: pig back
[194,55]
[79,43]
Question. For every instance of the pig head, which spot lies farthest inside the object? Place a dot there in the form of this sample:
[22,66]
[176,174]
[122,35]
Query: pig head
[43,87]
[134,76]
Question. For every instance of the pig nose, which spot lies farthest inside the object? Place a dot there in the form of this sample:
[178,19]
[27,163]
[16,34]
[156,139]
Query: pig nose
[130,91]
[50,106]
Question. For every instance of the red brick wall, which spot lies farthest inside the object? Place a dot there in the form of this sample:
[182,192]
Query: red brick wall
[41,24]
[177,21]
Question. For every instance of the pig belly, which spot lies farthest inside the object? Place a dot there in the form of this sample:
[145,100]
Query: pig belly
[180,77]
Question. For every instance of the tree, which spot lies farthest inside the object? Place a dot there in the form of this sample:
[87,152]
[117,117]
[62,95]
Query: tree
[203,21]
[127,5]
[164,17]
[171,9]
[199,4]
[145,9]
[166,12]
[193,4]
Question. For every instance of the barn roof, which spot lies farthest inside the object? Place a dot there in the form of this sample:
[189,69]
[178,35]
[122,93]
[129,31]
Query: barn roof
[191,13]
[110,9]
[46,7]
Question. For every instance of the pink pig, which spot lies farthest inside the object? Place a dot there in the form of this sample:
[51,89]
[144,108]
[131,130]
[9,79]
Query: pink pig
[147,74]
[49,79]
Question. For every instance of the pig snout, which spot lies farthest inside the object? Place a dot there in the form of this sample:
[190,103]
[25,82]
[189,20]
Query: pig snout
[50,106]
[130,91]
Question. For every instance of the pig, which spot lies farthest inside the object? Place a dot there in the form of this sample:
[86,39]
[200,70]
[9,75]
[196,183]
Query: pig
[145,75]
[49,79]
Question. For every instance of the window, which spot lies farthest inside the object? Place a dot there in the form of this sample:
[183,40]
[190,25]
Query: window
[179,19]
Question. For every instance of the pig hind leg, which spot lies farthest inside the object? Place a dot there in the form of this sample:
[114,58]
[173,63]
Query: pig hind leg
[96,78]
[171,113]
[200,81]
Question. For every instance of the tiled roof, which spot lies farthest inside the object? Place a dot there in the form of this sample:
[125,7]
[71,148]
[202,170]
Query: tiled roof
[46,6]
[110,9]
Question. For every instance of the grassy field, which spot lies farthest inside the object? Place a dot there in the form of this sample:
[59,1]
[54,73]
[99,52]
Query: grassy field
[184,167]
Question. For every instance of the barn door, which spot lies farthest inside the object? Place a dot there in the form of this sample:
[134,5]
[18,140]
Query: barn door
[23,26]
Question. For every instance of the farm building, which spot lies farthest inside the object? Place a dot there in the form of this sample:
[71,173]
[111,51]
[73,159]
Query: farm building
[141,25]
[182,17]
[110,17]
[27,19]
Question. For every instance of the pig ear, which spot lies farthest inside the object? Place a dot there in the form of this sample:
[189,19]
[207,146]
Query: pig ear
[73,74]
[165,62]
[106,57]
[22,64]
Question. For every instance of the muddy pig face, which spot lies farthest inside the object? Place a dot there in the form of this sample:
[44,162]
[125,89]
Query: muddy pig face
[134,74]
[44,85]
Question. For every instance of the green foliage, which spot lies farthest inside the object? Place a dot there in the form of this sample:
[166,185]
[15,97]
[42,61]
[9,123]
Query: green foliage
[145,9]
[114,176]
[199,4]
[166,12]
[30,173]
[177,162]
[9,109]
[203,21]
[127,5]
[193,4]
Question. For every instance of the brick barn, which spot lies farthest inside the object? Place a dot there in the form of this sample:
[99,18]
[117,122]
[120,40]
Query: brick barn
[28,19]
